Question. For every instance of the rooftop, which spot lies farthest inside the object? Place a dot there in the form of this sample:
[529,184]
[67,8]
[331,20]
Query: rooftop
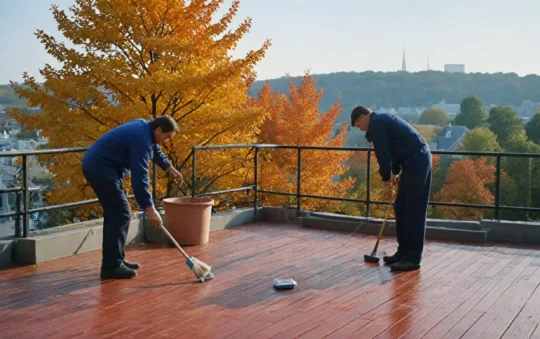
[485,291]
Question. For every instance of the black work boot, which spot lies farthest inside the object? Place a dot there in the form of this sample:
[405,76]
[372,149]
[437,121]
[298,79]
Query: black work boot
[405,265]
[393,259]
[132,265]
[121,272]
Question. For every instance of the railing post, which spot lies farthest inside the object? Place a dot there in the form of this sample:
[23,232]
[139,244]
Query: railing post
[193,169]
[26,198]
[498,188]
[256,183]
[368,186]
[18,228]
[299,181]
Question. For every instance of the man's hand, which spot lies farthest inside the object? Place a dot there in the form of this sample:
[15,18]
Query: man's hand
[153,216]
[176,175]
[387,190]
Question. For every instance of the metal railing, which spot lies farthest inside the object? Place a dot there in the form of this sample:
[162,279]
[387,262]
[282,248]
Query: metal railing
[497,207]
[25,189]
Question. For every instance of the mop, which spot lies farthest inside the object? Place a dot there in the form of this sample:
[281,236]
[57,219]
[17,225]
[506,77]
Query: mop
[202,270]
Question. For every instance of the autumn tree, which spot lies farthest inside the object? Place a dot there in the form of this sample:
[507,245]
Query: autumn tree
[434,116]
[467,182]
[141,59]
[295,120]
[472,113]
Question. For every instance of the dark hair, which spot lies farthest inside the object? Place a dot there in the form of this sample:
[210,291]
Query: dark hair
[167,124]
[357,112]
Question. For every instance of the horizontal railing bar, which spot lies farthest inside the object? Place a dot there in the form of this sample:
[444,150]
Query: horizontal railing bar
[11,214]
[42,152]
[314,196]
[515,208]
[12,190]
[240,189]
[277,193]
[325,148]
[71,204]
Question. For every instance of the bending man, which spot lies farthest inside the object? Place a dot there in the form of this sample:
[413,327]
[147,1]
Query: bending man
[399,148]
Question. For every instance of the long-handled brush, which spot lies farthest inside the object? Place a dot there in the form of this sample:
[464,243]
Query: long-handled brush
[373,256]
[202,270]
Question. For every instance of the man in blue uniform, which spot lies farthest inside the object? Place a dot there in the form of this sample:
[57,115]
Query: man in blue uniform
[401,150]
[128,147]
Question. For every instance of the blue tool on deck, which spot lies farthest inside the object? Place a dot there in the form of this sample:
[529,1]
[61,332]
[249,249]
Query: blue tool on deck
[284,284]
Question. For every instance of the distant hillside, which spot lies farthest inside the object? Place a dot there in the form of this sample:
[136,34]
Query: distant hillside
[9,98]
[401,89]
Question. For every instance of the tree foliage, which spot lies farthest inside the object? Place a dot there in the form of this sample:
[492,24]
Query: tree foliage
[434,116]
[467,182]
[472,113]
[417,89]
[524,172]
[140,59]
[427,132]
[504,122]
[533,129]
[296,120]
[480,139]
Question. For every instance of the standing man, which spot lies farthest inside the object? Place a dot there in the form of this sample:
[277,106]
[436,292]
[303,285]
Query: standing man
[127,147]
[400,148]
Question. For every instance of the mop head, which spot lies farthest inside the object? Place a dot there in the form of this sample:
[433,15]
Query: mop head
[202,270]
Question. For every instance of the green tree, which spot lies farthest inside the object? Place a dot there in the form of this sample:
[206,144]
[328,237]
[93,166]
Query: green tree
[472,113]
[533,129]
[504,122]
[480,139]
[434,116]
[523,171]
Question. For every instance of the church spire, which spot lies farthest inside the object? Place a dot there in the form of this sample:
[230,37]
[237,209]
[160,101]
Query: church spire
[403,63]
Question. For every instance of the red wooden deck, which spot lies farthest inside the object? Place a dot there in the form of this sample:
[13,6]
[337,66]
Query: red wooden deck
[461,291]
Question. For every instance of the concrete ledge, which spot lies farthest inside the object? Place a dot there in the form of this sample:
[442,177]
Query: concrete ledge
[281,215]
[6,253]
[372,226]
[512,231]
[50,246]
[219,221]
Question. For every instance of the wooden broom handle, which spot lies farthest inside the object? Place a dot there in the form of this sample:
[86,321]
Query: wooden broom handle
[174,241]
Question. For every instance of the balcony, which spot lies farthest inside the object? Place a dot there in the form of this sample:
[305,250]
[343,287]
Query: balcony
[478,278]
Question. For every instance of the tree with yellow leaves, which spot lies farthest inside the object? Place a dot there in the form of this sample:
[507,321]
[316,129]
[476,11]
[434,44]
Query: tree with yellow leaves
[141,59]
[296,121]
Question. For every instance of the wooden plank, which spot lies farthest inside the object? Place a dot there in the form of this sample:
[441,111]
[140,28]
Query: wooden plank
[461,290]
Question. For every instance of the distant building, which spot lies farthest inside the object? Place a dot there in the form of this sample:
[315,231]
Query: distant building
[449,138]
[454,68]
[403,63]
[451,109]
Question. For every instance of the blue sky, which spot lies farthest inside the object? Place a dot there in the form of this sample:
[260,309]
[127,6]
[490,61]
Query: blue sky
[341,35]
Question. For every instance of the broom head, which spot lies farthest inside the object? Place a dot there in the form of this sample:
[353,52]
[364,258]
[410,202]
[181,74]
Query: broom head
[201,269]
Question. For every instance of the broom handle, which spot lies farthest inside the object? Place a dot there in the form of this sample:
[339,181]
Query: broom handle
[382,228]
[384,223]
[174,241]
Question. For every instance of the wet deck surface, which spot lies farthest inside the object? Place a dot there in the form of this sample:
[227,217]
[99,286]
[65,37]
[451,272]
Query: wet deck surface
[462,291]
